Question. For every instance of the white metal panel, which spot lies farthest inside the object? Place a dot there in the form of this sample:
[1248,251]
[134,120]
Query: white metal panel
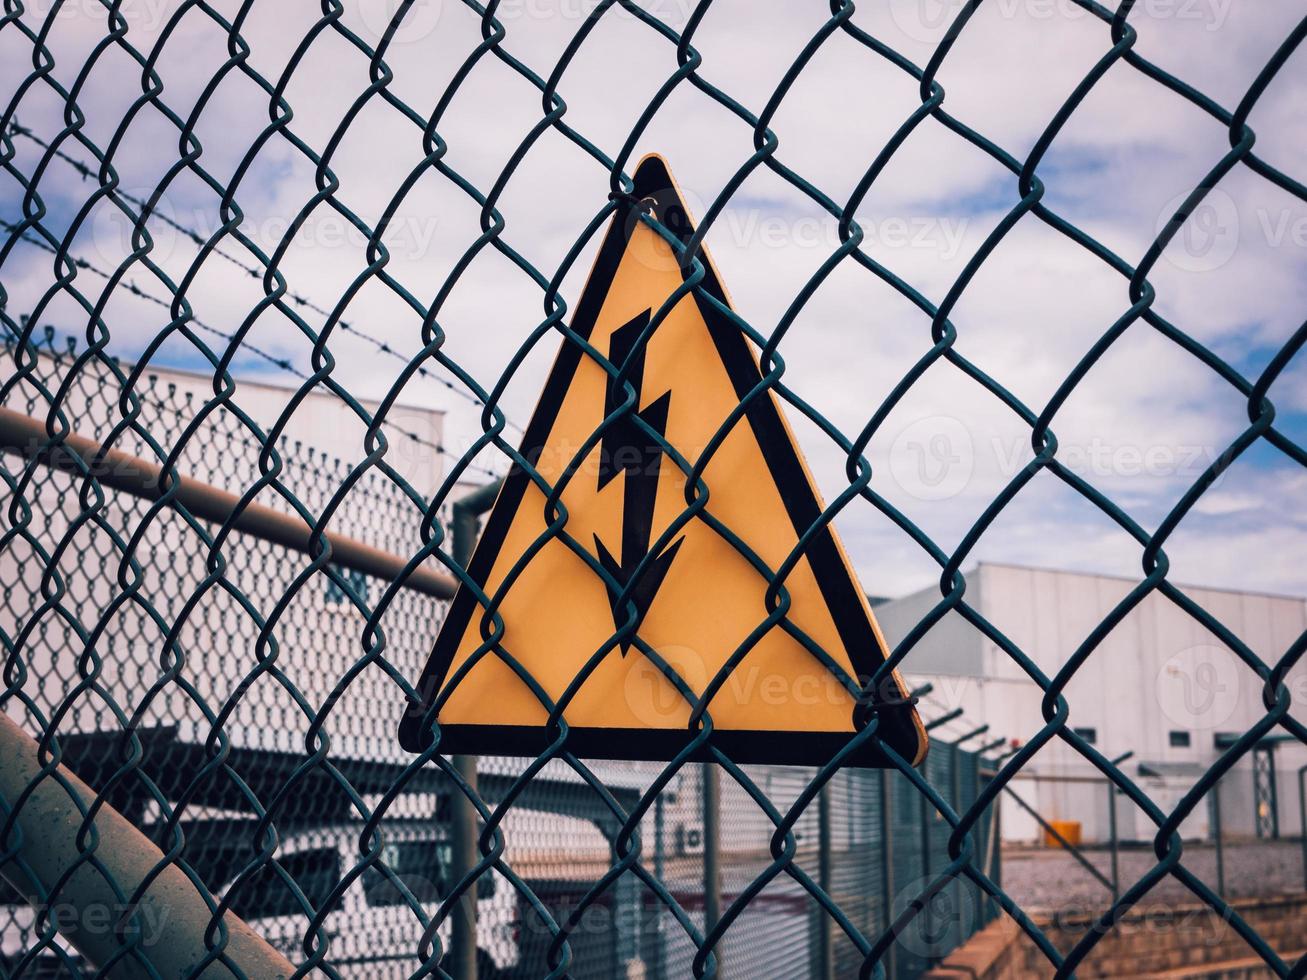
[1159,671]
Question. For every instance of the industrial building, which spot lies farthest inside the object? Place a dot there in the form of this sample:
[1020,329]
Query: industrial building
[1161,686]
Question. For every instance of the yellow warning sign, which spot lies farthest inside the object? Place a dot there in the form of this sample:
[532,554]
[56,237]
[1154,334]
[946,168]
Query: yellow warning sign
[687,613]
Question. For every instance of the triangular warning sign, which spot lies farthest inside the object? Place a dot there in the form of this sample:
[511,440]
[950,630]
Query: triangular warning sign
[699,569]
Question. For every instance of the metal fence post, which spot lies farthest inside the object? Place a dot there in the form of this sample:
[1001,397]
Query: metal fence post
[1113,833]
[955,796]
[959,886]
[925,923]
[978,842]
[989,842]
[463,815]
[825,959]
[887,863]
[1216,833]
[463,842]
[658,967]
[712,843]
[928,913]
[1302,819]
[954,776]
[997,876]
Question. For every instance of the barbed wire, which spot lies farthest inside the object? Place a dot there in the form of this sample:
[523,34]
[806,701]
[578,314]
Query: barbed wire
[280,363]
[379,345]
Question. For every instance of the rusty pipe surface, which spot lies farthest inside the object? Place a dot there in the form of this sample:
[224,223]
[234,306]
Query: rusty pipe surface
[172,915]
[122,471]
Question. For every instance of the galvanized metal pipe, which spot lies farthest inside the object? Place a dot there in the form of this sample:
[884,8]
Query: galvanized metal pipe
[825,965]
[1113,830]
[960,883]
[712,852]
[172,912]
[994,863]
[1217,835]
[463,858]
[1115,842]
[130,474]
[657,966]
[978,836]
[887,855]
[1302,819]
[463,830]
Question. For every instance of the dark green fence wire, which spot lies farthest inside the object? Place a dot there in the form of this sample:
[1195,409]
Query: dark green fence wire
[878,852]
[314,770]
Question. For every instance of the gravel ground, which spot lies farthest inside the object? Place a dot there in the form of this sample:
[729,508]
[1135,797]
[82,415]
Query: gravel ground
[1045,879]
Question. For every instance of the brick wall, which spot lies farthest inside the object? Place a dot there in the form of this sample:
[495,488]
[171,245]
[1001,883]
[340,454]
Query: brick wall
[1153,941]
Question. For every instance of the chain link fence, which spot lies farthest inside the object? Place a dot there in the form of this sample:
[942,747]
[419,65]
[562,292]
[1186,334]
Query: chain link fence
[560,844]
[238,700]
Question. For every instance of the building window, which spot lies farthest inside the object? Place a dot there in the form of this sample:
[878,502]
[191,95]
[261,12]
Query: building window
[1179,740]
[1090,735]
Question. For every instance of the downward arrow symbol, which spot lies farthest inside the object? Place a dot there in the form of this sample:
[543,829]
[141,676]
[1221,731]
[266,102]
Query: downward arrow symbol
[627,449]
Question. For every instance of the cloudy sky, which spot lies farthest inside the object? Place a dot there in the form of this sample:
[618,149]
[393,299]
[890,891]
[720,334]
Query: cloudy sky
[1141,427]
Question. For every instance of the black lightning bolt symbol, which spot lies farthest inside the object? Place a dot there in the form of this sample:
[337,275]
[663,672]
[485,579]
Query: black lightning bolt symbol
[626,448]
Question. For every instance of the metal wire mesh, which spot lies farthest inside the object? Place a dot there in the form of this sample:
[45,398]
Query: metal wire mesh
[559,844]
[185,669]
